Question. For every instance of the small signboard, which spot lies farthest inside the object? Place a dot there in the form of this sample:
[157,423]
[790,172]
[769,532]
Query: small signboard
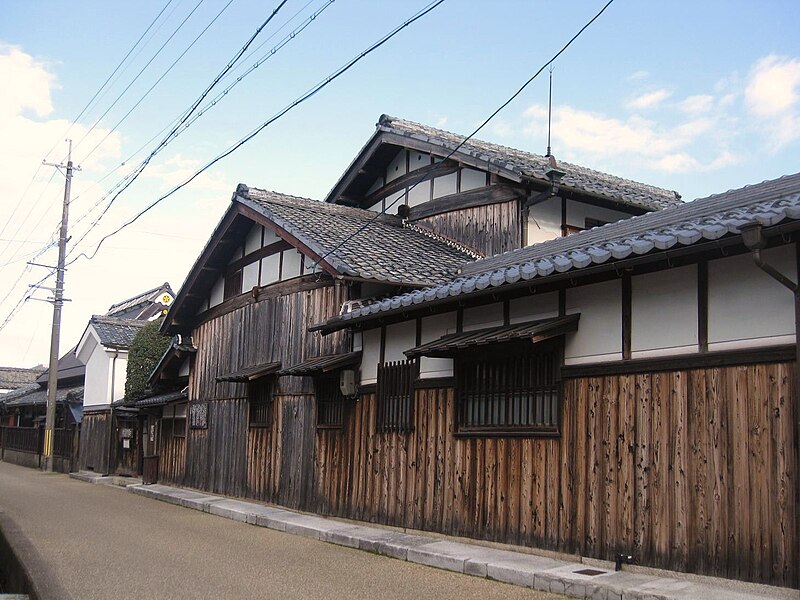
[198,415]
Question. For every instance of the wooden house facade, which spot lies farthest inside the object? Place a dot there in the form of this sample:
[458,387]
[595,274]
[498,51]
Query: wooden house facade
[596,385]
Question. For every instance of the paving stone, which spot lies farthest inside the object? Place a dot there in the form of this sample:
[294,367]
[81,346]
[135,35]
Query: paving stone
[519,569]
[261,511]
[200,502]
[230,509]
[443,555]
[349,536]
[398,544]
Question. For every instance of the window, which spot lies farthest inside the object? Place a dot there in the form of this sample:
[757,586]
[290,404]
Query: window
[330,402]
[395,396]
[259,399]
[174,416]
[589,222]
[513,390]
[233,284]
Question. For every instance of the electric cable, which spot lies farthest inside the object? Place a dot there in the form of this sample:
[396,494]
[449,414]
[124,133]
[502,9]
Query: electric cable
[466,139]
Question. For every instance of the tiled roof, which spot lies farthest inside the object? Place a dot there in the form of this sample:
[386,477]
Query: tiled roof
[39,396]
[156,400]
[385,250]
[322,364]
[250,373]
[534,166]
[123,309]
[116,333]
[69,367]
[711,218]
[13,378]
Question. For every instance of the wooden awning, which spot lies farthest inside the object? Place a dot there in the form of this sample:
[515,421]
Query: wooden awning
[535,331]
[250,373]
[323,364]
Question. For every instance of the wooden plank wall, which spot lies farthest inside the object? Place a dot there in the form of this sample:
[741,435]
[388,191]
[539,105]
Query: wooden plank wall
[491,229]
[94,442]
[172,455]
[689,470]
[228,457]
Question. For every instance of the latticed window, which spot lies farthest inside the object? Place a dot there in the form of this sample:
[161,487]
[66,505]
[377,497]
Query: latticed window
[395,396]
[512,391]
[259,399]
[330,402]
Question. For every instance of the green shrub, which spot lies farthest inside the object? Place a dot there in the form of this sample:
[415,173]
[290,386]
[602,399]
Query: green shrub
[146,349]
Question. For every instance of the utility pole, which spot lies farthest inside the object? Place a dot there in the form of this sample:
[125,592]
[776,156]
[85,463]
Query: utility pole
[58,302]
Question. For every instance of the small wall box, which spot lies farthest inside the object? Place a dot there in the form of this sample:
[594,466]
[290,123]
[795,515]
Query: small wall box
[347,382]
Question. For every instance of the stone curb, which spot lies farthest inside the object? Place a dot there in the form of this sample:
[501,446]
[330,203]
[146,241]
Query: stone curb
[516,568]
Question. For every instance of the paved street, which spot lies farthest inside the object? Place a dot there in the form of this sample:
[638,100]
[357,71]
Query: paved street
[101,542]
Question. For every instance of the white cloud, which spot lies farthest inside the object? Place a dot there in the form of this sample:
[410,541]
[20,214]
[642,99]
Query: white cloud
[177,169]
[635,140]
[772,96]
[649,100]
[639,75]
[441,122]
[25,83]
[701,103]
[773,86]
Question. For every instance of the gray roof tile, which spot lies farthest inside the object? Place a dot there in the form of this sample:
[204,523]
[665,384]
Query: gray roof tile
[768,203]
[527,164]
[13,377]
[116,333]
[384,250]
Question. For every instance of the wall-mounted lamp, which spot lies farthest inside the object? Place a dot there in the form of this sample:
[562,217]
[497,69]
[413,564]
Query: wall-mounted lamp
[753,236]
[554,174]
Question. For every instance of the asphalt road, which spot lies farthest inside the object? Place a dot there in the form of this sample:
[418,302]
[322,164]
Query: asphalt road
[89,541]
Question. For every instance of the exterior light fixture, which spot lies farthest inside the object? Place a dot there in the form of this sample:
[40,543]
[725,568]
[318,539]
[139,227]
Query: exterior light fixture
[753,236]
[554,174]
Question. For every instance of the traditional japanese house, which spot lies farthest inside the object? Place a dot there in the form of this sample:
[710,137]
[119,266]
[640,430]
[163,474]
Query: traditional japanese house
[23,411]
[109,441]
[630,389]
[272,267]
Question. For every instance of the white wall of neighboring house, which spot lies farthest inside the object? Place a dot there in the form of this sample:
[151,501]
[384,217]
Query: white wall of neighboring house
[106,371]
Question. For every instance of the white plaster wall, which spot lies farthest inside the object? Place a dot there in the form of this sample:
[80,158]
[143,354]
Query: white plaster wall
[746,307]
[577,212]
[533,308]
[417,160]
[433,328]
[481,317]
[420,193]
[98,378]
[249,276]
[664,313]
[217,292]
[253,240]
[370,356]
[396,168]
[291,264]
[377,185]
[270,268]
[445,185]
[399,338]
[120,368]
[599,335]
[472,179]
[270,237]
[391,205]
[544,221]
[358,342]
[377,207]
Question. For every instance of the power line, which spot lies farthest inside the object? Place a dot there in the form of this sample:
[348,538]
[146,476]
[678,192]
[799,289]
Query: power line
[469,137]
[142,70]
[310,93]
[159,80]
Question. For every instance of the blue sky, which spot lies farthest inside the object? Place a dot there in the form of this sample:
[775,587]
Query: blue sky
[699,97]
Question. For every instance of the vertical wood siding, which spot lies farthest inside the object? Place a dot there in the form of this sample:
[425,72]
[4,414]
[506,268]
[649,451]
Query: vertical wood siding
[172,455]
[491,229]
[688,470]
[93,453]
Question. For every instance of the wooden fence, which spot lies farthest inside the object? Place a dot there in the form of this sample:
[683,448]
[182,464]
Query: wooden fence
[30,440]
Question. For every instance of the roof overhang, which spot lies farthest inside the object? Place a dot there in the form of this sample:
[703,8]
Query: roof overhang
[250,373]
[533,331]
[322,364]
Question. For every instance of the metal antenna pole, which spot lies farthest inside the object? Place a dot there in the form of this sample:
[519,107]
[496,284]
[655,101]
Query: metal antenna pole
[549,109]
[58,302]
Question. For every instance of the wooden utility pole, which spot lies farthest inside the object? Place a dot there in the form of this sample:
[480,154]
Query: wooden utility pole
[58,302]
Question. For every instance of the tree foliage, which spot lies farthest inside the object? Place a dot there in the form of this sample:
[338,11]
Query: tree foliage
[144,353]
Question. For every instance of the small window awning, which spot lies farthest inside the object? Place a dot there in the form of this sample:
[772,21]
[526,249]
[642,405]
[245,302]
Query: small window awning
[250,373]
[160,399]
[535,331]
[323,364]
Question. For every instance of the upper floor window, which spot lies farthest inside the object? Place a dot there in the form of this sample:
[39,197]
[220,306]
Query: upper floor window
[395,396]
[259,402]
[515,390]
[330,402]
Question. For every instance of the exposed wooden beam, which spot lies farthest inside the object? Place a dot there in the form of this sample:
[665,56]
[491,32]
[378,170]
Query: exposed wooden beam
[493,194]
[419,175]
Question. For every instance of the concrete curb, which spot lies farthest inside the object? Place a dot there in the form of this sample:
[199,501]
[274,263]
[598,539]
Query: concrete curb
[572,579]
[97,478]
